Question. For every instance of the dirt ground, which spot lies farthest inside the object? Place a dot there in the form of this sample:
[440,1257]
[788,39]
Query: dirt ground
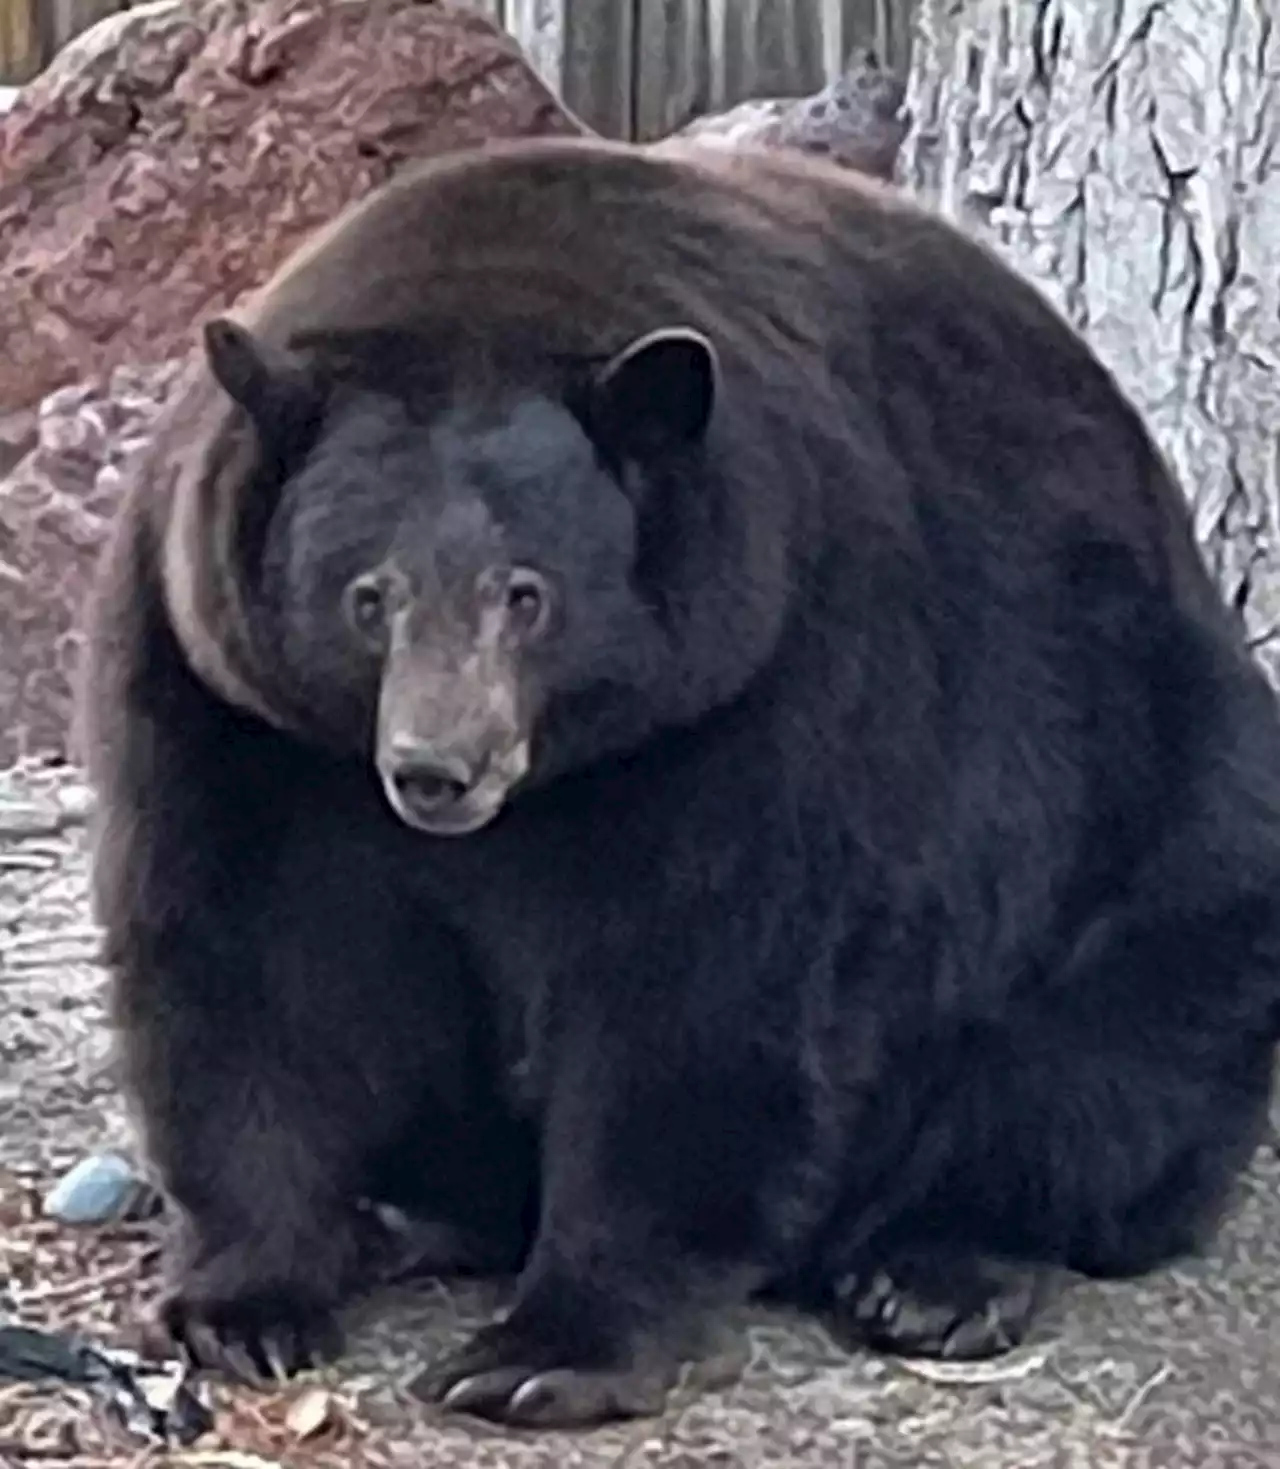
[1176,1372]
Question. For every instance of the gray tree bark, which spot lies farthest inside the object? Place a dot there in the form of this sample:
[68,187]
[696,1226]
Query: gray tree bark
[1125,154]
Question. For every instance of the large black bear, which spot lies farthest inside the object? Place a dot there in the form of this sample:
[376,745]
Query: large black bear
[663,708]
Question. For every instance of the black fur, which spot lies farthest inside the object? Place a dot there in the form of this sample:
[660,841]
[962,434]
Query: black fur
[891,910]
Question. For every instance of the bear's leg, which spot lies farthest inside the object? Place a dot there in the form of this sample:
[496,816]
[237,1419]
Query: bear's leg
[259,1166]
[278,1023]
[670,1177]
[355,1034]
[1099,1129]
[259,1117]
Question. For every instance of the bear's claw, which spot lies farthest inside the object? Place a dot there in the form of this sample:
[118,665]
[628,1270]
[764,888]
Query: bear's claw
[929,1305]
[254,1335]
[503,1376]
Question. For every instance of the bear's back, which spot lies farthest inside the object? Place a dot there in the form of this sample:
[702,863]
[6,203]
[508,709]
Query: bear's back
[575,246]
[557,249]
[829,297]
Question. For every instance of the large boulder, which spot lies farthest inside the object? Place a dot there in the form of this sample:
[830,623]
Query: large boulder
[162,167]
[171,156]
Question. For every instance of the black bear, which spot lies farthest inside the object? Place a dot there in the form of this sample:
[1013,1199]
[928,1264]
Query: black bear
[661,707]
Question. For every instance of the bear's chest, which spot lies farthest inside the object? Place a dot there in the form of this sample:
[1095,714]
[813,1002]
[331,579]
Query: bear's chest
[550,881]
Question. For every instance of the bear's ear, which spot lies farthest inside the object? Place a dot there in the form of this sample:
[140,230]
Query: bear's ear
[655,395]
[273,388]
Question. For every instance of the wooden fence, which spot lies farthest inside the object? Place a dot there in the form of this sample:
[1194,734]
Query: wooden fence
[32,30]
[629,68]
[639,68]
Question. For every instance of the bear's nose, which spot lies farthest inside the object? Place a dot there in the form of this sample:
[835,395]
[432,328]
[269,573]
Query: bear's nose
[427,779]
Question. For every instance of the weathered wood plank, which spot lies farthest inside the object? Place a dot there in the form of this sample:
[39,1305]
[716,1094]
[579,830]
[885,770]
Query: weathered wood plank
[671,80]
[598,72]
[21,50]
[60,20]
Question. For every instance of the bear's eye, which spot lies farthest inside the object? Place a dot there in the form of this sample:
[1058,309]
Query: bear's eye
[528,601]
[367,607]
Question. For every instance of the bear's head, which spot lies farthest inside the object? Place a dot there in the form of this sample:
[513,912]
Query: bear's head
[488,587]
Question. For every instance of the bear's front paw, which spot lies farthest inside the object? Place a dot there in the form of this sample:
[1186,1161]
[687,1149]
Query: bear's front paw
[265,1311]
[255,1332]
[264,1304]
[940,1304]
[511,1372]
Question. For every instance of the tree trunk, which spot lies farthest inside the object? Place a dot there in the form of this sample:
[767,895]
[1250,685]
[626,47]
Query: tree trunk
[1124,156]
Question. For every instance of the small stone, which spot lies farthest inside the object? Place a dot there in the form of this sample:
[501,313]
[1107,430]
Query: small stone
[100,1189]
[76,801]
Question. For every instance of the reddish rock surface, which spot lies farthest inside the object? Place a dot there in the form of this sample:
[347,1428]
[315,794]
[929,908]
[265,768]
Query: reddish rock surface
[164,165]
[54,510]
[172,156]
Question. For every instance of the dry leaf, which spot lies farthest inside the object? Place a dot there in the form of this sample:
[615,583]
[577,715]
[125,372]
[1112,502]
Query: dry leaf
[310,1413]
